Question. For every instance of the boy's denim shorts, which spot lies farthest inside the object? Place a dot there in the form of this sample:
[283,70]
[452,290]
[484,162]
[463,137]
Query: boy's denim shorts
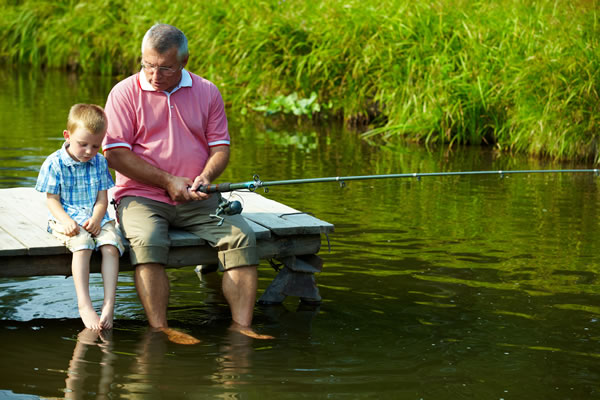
[85,241]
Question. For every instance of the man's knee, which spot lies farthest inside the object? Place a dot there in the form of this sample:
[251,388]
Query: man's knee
[246,275]
[242,257]
[149,268]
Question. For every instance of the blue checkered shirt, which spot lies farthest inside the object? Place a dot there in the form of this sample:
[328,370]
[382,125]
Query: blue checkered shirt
[78,183]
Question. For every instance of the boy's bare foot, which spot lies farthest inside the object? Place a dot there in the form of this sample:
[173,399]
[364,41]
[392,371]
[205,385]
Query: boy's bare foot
[90,318]
[248,331]
[88,336]
[179,337]
[106,319]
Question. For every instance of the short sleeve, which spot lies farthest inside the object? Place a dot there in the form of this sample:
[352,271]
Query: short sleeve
[49,177]
[217,132]
[105,178]
[120,115]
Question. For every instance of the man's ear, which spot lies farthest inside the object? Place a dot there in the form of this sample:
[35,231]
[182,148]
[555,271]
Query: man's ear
[184,61]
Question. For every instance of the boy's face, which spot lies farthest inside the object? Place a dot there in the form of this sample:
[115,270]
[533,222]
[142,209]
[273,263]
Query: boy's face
[83,144]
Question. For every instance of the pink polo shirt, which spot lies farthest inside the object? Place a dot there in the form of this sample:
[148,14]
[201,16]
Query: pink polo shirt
[172,131]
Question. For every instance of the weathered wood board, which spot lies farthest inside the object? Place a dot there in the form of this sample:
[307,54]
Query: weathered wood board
[27,249]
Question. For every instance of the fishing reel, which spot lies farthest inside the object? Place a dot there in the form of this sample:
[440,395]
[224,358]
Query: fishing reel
[228,208]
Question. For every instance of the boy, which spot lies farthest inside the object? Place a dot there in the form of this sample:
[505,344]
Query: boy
[75,180]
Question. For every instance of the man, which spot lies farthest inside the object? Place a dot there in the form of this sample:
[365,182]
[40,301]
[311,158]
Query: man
[167,135]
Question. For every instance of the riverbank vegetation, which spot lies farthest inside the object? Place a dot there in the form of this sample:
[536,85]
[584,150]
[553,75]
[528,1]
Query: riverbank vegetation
[521,76]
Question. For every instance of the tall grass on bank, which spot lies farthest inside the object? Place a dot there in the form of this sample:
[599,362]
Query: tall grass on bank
[522,76]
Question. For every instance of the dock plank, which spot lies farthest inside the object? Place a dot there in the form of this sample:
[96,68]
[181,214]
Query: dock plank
[10,246]
[281,219]
[37,240]
[23,223]
[27,202]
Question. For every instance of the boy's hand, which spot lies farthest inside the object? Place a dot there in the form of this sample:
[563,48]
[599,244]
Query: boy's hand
[70,227]
[92,227]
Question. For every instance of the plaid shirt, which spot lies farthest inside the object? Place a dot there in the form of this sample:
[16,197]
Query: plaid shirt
[77,183]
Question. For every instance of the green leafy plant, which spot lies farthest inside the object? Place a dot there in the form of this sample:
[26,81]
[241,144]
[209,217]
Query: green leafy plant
[290,104]
[519,76]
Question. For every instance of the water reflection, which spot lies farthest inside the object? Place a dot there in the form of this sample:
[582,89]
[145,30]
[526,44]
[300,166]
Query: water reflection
[235,361]
[80,382]
[444,287]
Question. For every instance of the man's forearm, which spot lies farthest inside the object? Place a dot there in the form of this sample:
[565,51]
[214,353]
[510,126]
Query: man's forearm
[132,166]
[216,164]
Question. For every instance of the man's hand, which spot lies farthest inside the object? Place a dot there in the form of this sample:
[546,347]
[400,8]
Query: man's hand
[200,180]
[178,188]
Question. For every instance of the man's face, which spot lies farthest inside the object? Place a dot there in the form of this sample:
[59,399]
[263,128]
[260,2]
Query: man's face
[163,71]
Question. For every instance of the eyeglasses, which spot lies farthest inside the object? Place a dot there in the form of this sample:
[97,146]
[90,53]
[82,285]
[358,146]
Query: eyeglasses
[166,71]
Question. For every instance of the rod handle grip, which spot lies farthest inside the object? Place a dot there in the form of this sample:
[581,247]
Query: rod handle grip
[219,187]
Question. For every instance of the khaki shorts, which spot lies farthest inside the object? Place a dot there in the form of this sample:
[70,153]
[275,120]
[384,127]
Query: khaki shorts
[145,223]
[85,241]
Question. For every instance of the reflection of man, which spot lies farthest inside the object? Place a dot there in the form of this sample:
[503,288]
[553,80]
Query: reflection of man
[167,135]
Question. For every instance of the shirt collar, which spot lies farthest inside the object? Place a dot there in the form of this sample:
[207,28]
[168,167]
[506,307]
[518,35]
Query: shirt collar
[186,81]
[68,160]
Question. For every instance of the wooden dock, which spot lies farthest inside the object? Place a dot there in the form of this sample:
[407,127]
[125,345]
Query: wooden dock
[286,237]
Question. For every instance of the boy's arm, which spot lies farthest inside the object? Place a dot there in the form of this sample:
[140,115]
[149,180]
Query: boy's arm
[93,225]
[56,209]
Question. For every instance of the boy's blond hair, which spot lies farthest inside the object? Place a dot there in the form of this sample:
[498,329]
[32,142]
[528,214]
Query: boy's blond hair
[88,116]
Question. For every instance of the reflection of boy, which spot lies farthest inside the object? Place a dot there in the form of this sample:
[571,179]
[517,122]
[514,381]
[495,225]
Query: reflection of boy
[76,179]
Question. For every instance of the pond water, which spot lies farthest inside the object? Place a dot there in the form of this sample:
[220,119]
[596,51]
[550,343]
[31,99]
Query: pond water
[470,287]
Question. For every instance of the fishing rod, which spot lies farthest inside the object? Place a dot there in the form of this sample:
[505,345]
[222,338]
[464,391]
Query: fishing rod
[235,207]
[257,183]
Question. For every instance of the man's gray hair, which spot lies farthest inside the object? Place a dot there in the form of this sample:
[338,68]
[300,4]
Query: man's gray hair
[163,37]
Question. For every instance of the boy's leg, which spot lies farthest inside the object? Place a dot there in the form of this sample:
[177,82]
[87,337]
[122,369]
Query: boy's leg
[110,272]
[80,268]
[110,245]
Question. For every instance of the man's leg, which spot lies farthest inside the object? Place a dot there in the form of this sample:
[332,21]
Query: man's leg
[152,286]
[239,288]
[238,256]
[145,223]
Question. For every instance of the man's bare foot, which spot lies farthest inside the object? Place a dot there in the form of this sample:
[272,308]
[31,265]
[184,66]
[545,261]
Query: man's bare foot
[179,337]
[106,319]
[90,318]
[248,331]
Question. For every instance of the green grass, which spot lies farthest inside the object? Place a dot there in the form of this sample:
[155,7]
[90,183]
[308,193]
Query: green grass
[520,76]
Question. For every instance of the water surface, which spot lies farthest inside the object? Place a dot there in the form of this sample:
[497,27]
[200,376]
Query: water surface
[455,287]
